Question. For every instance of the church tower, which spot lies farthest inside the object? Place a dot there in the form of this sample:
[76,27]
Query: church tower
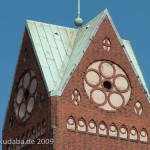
[77,89]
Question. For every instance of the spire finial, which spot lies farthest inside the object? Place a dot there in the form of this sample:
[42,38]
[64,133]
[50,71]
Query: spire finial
[78,21]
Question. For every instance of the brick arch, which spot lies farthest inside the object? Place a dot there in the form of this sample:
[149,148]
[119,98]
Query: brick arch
[123,132]
[103,129]
[143,135]
[71,123]
[92,127]
[113,130]
[133,134]
[82,125]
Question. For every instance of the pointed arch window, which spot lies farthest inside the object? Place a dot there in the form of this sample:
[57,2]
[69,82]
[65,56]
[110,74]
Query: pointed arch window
[123,133]
[43,126]
[28,134]
[82,125]
[11,122]
[76,97]
[33,133]
[143,136]
[92,127]
[106,44]
[25,55]
[103,129]
[71,125]
[113,132]
[138,108]
[133,134]
[38,131]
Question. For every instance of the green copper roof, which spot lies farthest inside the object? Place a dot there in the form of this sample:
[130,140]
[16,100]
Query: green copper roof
[135,65]
[53,46]
[60,49]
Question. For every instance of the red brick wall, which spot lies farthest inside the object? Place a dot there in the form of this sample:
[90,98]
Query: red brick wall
[57,109]
[38,113]
[75,140]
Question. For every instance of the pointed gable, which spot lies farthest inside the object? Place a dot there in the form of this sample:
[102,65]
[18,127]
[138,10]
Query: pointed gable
[60,49]
[92,76]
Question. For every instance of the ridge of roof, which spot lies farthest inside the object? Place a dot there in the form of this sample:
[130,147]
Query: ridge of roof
[44,23]
[59,50]
[83,39]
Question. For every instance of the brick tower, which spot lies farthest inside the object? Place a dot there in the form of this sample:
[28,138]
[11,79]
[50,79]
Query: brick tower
[77,89]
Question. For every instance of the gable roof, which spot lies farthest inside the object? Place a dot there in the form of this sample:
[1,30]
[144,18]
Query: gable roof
[60,49]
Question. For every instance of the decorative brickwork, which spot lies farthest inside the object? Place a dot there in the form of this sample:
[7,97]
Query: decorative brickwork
[124,118]
[113,131]
[34,121]
[107,85]
[86,115]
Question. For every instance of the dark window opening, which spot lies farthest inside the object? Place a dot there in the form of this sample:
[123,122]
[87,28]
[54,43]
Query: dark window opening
[107,85]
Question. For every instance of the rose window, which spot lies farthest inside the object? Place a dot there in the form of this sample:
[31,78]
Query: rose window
[107,85]
[26,94]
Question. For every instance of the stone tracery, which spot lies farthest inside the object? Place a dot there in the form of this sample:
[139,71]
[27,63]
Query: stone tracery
[26,94]
[107,85]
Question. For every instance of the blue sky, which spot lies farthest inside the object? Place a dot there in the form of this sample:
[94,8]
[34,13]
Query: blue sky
[131,17]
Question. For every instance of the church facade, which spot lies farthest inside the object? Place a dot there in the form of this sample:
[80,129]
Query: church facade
[77,89]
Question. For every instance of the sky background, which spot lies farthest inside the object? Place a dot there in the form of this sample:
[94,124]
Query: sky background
[131,17]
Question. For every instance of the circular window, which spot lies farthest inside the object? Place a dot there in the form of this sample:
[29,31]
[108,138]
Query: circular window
[123,130]
[133,132]
[26,94]
[81,123]
[107,85]
[143,133]
[92,125]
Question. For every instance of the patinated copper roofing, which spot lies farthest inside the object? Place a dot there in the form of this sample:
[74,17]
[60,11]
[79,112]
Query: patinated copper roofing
[60,49]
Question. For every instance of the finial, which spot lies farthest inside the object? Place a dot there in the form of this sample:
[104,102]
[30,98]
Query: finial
[78,21]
